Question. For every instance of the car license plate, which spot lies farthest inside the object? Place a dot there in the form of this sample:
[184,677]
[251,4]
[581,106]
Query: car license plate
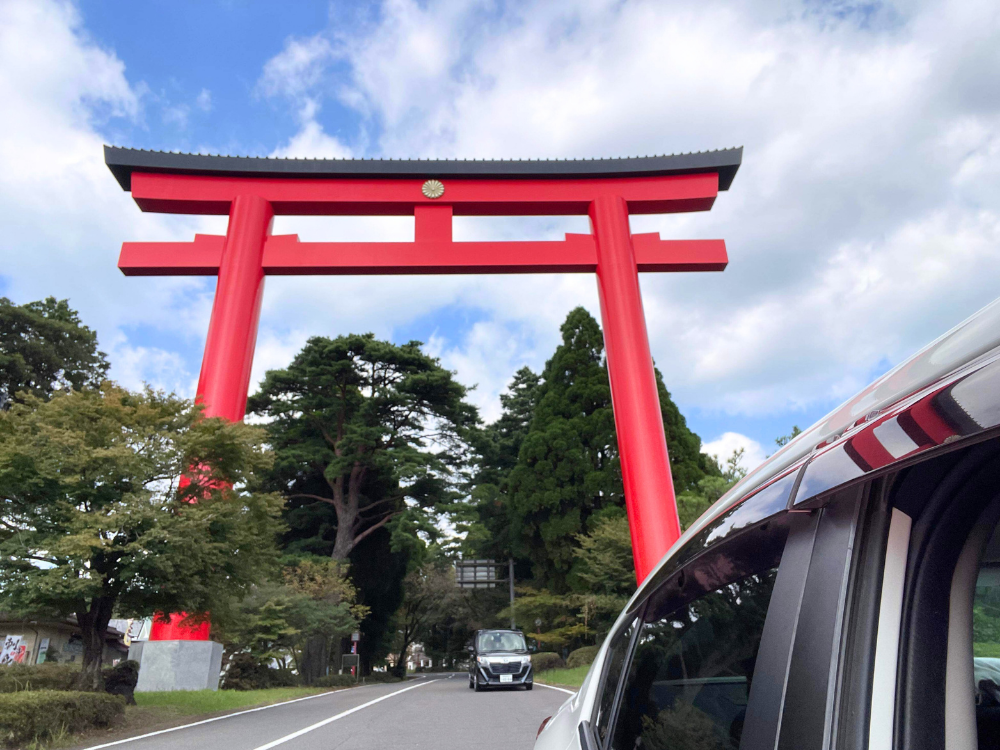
[506,678]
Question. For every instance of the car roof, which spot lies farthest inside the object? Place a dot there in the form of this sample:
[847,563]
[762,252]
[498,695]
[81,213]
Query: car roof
[854,439]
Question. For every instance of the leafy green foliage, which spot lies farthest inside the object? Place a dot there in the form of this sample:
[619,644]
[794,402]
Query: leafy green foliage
[605,559]
[17,677]
[95,521]
[546,660]
[582,657]
[247,672]
[45,348]
[42,715]
[121,679]
[786,439]
[691,504]
[314,605]
[568,465]
[566,475]
[429,595]
[364,426]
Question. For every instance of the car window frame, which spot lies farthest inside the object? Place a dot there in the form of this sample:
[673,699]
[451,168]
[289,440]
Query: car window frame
[635,616]
[779,626]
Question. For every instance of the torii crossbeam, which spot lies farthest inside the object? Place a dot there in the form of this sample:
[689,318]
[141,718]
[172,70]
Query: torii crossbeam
[252,191]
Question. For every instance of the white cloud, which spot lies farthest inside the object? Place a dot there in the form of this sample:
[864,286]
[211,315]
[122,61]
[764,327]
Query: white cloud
[862,224]
[723,448]
[64,217]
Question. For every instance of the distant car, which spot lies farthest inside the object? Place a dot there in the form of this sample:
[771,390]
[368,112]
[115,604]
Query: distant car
[500,658]
[845,594]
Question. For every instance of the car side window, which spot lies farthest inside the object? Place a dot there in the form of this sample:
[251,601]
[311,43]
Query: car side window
[614,665]
[689,680]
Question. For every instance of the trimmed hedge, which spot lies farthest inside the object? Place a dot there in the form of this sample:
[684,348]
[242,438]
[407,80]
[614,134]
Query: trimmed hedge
[381,677]
[334,680]
[246,672]
[582,657]
[39,715]
[345,680]
[17,677]
[547,660]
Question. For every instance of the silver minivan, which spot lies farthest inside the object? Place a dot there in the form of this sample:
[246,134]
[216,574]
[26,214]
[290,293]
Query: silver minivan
[844,595]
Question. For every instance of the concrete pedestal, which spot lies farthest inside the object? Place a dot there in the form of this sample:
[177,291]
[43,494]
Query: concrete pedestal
[177,665]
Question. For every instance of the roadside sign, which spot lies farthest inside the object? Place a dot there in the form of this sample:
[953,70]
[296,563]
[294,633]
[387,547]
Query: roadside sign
[350,660]
[355,636]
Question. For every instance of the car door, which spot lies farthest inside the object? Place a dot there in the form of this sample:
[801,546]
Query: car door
[735,647]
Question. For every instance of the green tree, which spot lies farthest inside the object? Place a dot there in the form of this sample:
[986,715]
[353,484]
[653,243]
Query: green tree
[487,520]
[605,557]
[96,524]
[568,464]
[430,594]
[313,605]
[365,427]
[692,503]
[568,470]
[786,439]
[45,348]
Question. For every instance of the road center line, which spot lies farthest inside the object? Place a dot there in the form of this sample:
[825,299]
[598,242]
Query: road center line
[214,718]
[341,715]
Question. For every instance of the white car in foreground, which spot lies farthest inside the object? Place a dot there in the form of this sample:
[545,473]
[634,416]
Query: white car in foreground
[845,594]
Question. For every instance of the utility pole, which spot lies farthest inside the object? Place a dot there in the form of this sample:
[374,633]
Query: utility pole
[510,571]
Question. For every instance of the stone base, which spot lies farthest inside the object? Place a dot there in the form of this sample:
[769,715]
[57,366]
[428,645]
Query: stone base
[177,665]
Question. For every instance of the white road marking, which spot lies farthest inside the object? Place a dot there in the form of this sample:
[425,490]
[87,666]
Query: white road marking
[216,718]
[341,715]
[553,687]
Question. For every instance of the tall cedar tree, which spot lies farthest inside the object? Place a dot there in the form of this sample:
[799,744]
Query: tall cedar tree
[44,348]
[568,474]
[364,426]
[95,523]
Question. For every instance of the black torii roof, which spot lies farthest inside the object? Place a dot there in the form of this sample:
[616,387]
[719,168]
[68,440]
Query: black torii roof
[123,161]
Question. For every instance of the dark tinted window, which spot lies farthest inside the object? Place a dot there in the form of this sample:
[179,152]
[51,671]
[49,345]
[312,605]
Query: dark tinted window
[613,667]
[689,681]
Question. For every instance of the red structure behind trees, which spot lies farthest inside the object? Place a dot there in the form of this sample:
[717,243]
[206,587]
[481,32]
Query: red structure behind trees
[252,191]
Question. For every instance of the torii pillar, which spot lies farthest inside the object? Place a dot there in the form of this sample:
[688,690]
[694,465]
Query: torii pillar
[252,191]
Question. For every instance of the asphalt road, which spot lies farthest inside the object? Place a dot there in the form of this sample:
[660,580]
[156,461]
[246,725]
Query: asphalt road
[438,712]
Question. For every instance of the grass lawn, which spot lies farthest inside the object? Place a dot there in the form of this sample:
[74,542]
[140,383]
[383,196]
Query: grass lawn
[569,677]
[986,649]
[210,701]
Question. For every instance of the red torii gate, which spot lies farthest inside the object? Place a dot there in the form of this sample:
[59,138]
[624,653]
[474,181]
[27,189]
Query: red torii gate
[251,191]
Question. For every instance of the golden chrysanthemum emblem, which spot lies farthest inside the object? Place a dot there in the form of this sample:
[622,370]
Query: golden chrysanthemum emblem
[433,188]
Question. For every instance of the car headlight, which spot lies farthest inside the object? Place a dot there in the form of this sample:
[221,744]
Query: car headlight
[483,661]
[525,660]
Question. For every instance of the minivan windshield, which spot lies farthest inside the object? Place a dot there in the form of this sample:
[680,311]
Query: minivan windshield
[500,641]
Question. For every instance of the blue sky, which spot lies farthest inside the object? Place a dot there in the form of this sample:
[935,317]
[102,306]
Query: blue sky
[863,223]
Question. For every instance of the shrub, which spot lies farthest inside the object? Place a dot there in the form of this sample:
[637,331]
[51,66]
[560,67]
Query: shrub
[121,680]
[382,677]
[29,716]
[334,680]
[582,656]
[546,660]
[17,677]
[247,672]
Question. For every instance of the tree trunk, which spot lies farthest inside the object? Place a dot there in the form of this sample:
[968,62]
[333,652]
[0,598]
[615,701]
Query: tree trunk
[344,542]
[93,629]
[315,658]
[399,669]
